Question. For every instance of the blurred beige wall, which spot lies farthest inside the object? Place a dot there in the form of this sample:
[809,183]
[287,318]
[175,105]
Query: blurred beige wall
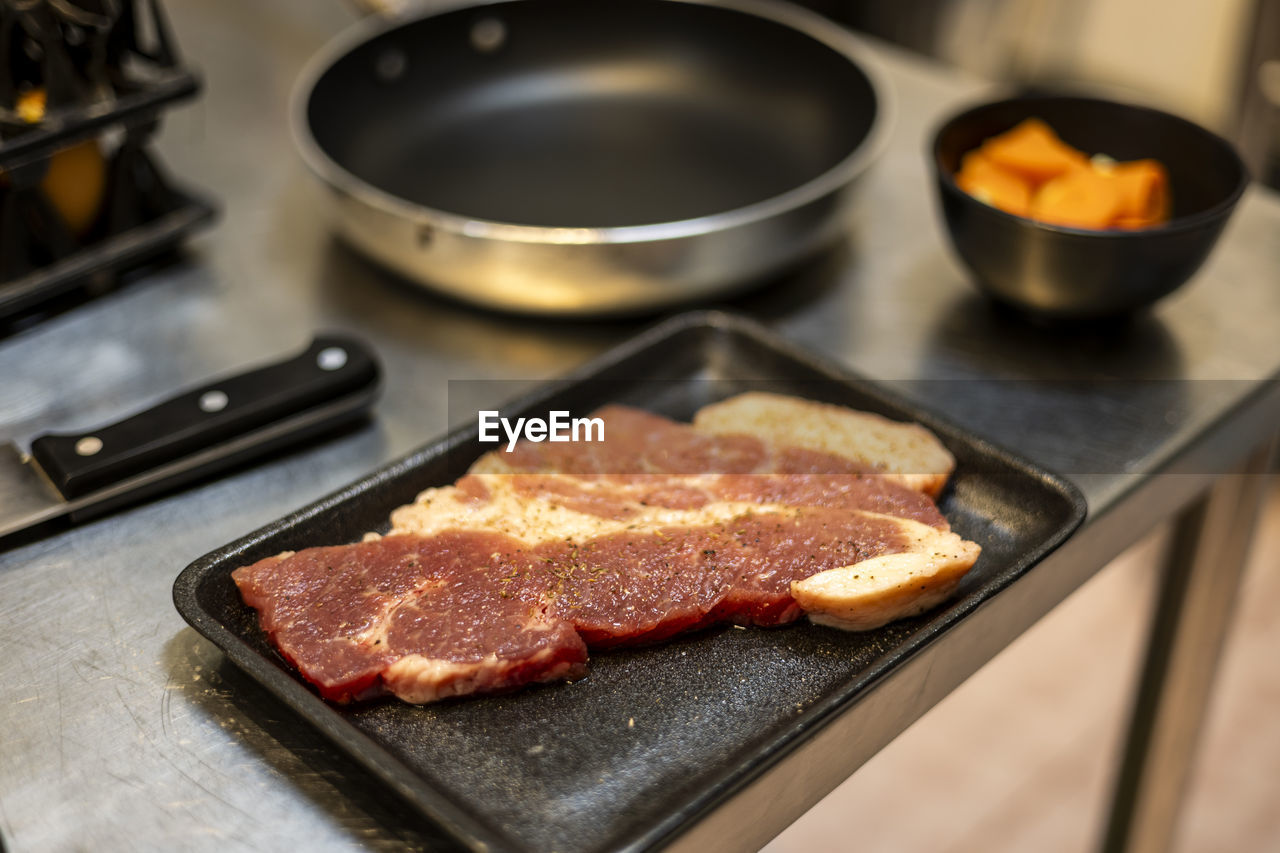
[1182,54]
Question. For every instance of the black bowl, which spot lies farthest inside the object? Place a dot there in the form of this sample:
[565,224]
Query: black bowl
[1058,272]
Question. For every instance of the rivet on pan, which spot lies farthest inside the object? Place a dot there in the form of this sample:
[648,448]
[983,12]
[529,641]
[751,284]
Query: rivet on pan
[213,401]
[331,358]
[425,235]
[88,445]
[488,35]
[391,65]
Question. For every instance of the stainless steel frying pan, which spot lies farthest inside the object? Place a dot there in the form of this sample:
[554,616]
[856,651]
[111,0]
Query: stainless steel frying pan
[577,157]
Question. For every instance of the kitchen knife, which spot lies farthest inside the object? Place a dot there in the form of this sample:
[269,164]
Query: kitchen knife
[199,431]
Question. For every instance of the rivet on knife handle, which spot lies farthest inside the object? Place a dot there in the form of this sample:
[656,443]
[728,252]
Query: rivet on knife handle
[79,463]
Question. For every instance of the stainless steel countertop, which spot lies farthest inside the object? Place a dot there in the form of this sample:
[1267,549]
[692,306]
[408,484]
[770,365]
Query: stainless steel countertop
[120,728]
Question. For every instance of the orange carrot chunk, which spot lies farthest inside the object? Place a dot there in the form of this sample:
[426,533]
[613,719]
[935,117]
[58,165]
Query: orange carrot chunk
[1033,151]
[1144,190]
[1083,198]
[990,184]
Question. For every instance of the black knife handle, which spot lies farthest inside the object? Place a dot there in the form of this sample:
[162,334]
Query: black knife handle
[331,367]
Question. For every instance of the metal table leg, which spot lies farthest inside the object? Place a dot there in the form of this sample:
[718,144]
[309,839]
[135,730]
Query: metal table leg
[1202,573]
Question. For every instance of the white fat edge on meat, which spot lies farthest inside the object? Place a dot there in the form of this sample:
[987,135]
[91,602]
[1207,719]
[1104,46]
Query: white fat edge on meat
[535,518]
[905,452]
[873,592]
[418,679]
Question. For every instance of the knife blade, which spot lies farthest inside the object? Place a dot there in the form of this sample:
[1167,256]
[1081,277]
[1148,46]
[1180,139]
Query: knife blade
[193,434]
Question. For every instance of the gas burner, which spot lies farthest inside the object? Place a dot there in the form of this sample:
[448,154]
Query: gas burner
[82,197]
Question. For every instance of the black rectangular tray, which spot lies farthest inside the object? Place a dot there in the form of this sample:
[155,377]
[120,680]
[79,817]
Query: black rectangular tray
[655,738]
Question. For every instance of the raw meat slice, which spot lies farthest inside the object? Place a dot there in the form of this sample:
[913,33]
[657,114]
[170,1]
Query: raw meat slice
[422,618]
[508,576]
[908,453]
[513,600]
